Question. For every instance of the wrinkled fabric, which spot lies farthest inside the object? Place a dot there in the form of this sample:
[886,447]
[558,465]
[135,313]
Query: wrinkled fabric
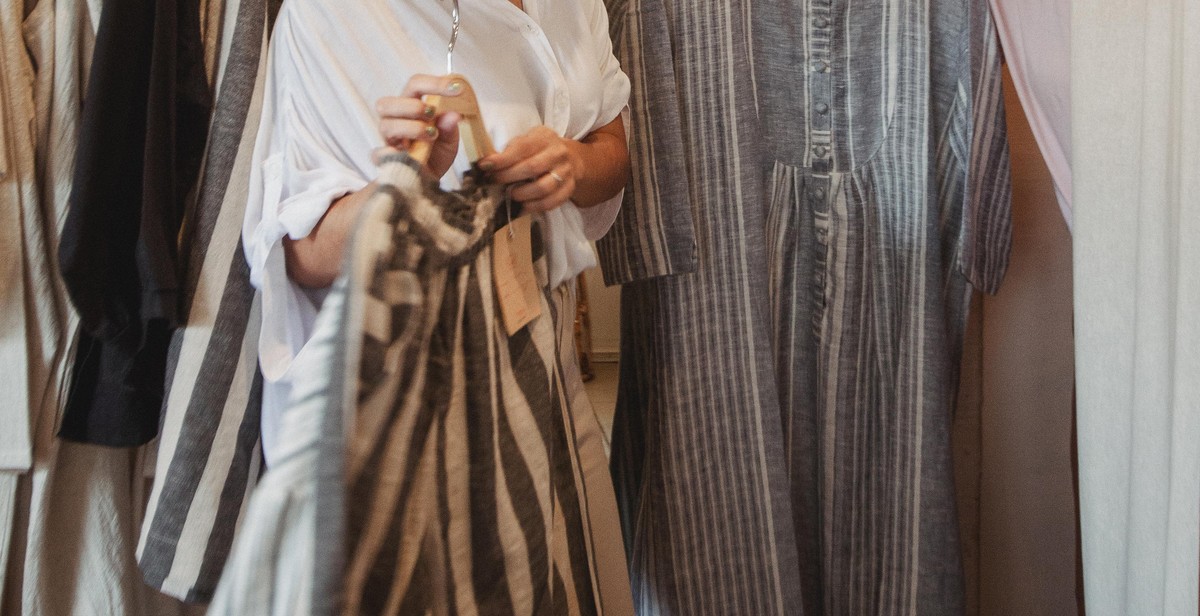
[322,127]
[433,463]
[208,457]
[69,513]
[140,143]
[1136,110]
[783,421]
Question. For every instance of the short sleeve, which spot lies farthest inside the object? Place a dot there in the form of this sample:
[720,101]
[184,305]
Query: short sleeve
[598,219]
[615,88]
[979,136]
[299,170]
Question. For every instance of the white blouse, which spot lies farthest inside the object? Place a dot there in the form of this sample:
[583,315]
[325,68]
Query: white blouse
[330,61]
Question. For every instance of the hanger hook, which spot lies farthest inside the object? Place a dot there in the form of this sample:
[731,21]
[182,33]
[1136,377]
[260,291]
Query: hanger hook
[453,37]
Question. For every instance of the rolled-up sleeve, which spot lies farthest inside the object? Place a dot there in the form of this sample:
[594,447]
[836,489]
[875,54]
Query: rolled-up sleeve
[299,171]
[598,219]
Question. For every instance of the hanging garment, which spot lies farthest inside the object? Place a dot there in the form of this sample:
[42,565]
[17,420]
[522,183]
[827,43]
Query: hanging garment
[143,132]
[28,374]
[208,456]
[71,512]
[471,478]
[1136,109]
[44,59]
[1036,37]
[816,396]
[320,99]
[697,448]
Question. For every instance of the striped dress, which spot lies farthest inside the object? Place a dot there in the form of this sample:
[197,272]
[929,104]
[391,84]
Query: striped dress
[818,185]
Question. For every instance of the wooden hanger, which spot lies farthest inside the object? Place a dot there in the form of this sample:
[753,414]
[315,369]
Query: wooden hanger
[471,131]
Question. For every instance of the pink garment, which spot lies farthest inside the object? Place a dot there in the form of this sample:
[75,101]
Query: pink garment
[1036,36]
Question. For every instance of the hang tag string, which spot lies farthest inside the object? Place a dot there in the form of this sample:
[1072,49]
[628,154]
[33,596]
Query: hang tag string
[508,208]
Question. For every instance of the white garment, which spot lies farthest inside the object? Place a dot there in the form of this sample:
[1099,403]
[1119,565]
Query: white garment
[1136,112]
[330,61]
[1036,35]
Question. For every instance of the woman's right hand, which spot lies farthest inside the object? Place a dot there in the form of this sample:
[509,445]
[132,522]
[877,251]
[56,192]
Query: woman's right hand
[406,118]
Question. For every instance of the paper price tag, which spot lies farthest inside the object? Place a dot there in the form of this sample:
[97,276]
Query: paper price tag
[512,272]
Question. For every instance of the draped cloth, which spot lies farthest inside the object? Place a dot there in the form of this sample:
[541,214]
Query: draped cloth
[208,457]
[1036,36]
[782,438]
[1136,113]
[433,464]
[68,511]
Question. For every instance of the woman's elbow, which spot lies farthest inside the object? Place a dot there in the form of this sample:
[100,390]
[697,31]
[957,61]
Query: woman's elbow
[306,266]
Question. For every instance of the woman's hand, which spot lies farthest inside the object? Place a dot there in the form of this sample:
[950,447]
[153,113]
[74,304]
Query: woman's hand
[543,166]
[406,118]
[549,170]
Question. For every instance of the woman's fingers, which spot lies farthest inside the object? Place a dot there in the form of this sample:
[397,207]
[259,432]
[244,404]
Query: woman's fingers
[532,167]
[401,107]
[397,132]
[422,85]
[547,192]
[521,148]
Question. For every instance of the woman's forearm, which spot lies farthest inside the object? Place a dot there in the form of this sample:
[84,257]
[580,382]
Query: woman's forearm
[603,163]
[315,260]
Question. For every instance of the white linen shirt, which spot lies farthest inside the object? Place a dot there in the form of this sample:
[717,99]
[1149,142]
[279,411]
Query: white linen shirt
[330,61]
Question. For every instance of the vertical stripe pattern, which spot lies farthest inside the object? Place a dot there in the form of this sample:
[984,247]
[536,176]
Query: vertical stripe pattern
[653,234]
[431,463]
[465,493]
[784,413]
[208,450]
[697,440]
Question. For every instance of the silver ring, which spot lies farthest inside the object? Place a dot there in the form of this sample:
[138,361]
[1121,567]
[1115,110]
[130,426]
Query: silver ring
[557,178]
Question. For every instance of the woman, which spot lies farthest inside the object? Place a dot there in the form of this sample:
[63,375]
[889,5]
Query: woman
[346,79]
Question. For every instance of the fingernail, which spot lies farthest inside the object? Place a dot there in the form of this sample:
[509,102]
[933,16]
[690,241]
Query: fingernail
[429,111]
[455,88]
[431,132]
[487,165]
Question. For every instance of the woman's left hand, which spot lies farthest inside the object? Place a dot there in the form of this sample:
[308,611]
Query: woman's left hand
[543,166]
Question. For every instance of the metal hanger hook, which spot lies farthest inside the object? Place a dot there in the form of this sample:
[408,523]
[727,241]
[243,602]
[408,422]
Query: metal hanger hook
[453,37]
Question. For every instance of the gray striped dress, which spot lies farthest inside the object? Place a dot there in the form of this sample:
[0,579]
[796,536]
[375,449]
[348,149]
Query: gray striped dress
[818,184]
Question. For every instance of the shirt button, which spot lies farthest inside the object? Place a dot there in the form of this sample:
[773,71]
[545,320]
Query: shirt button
[819,151]
[822,108]
[820,66]
[818,194]
[821,22]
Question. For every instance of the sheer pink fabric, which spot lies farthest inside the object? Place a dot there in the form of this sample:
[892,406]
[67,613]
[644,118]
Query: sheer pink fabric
[1036,36]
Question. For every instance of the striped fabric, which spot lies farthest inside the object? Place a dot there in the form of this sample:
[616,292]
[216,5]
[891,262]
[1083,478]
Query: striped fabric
[464,491]
[698,453]
[653,234]
[471,478]
[207,457]
[783,426]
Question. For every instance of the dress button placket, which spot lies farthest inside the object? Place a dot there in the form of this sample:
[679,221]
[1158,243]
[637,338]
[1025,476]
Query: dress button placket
[821,152]
[820,79]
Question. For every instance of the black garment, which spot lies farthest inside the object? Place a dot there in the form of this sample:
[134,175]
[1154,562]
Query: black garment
[145,120]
